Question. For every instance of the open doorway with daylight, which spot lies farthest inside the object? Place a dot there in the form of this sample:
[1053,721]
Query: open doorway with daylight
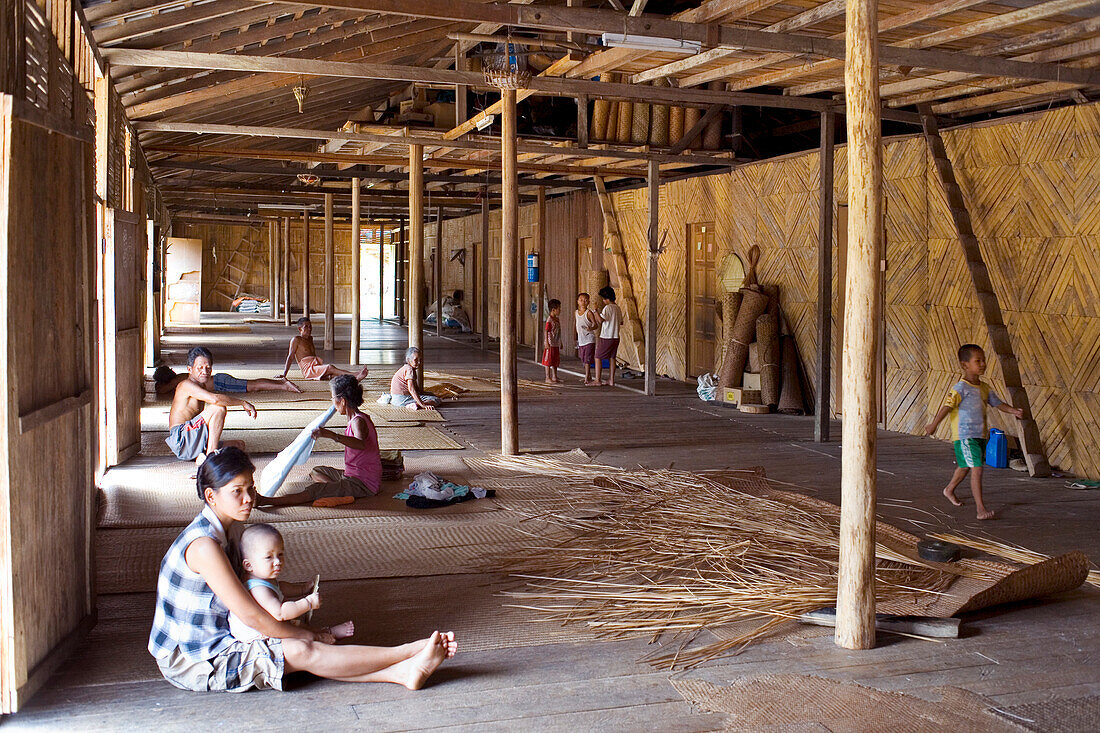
[378,270]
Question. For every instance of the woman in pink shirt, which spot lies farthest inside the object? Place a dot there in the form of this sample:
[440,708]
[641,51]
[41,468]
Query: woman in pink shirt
[362,474]
[403,391]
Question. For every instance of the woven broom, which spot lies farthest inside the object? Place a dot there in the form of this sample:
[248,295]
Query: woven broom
[753,304]
[790,397]
[767,339]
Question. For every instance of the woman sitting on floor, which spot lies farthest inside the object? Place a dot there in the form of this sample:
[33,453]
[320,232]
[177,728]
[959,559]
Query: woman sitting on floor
[198,587]
[403,390]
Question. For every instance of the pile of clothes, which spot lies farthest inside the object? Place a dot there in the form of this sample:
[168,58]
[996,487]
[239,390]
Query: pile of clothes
[430,491]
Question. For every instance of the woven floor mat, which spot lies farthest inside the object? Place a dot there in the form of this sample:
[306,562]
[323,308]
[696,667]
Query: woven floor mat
[391,436]
[202,328]
[385,612]
[789,702]
[268,417]
[340,549]
[1065,715]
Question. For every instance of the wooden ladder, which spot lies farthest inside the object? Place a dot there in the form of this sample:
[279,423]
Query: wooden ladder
[234,275]
[614,245]
[1028,430]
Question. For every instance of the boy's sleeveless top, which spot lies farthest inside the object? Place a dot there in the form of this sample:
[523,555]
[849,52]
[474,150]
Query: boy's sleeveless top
[586,332]
[365,464]
[188,615]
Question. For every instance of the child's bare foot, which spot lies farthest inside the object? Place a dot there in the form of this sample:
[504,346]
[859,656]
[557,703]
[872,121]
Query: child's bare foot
[555,380]
[342,631]
[416,670]
[549,381]
[986,514]
[950,494]
[362,373]
[412,407]
[593,383]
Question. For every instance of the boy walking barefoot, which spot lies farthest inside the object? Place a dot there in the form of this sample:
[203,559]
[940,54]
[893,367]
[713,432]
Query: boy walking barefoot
[551,347]
[262,558]
[586,336]
[966,404]
[304,352]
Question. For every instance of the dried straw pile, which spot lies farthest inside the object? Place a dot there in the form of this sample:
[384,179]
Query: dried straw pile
[669,554]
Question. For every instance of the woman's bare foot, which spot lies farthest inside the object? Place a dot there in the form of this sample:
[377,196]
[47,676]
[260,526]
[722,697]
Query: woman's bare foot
[362,373]
[950,494]
[986,514]
[416,670]
[342,631]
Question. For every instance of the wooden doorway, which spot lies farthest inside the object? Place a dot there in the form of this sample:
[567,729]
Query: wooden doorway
[841,261]
[702,298]
[584,265]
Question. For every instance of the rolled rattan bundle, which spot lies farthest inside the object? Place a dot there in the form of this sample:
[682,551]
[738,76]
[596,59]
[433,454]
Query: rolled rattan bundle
[691,116]
[731,303]
[711,138]
[753,304]
[612,122]
[753,365]
[675,124]
[626,122]
[639,130]
[596,280]
[601,115]
[772,292]
[658,126]
[790,396]
[767,340]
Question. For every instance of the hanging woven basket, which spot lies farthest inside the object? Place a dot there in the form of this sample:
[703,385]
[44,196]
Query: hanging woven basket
[506,69]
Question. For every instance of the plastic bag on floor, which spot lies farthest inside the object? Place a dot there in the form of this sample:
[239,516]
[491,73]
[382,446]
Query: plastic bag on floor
[708,387]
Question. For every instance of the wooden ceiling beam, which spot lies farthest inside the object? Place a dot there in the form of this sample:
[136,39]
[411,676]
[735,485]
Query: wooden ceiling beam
[601,21]
[430,162]
[123,9]
[161,22]
[276,193]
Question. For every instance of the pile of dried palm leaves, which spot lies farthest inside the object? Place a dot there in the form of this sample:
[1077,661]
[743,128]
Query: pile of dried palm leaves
[669,555]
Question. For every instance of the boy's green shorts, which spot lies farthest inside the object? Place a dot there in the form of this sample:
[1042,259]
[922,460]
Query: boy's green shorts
[969,452]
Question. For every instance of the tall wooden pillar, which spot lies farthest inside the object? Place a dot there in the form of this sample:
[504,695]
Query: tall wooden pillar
[485,248]
[653,184]
[330,278]
[437,274]
[416,253]
[381,272]
[286,270]
[272,294]
[402,272]
[825,280]
[305,263]
[461,113]
[855,623]
[540,286]
[509,249]
[356,274]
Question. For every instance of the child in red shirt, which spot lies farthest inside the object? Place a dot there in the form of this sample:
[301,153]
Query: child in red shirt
[551,347]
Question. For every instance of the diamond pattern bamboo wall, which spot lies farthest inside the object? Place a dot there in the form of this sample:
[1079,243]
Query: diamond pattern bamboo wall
[1033,186]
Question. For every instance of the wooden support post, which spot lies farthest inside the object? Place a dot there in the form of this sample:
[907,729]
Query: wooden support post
[330,278]
[305,263]
[460,89]
[509,249]
[437,271]
[286,270]
[271,296]
[540,286]
[485,248]
[582,121]
[654,189]
[356,272]
[855,617]
[402,271]
[416,253]
[825,280]
[381,272]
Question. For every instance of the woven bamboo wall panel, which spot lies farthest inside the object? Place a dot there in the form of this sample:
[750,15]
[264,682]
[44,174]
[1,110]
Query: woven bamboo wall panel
[1048,137]
[1086,198]
[993,197]
[906,405]
[906,337]
[1047,200]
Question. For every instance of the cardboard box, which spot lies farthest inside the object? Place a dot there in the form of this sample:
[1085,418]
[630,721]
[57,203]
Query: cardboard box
[750,380]
[739,395]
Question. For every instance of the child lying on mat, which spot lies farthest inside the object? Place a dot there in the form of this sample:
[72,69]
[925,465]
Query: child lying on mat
[262,561]
[403,390]
[362,474]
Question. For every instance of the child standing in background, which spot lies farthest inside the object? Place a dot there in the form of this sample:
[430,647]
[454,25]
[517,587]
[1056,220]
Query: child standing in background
[551,348]
[610,320]
[966,403]
[586,328]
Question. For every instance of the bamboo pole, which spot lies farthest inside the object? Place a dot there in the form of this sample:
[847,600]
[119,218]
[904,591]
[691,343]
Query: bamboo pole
[286,270]
[485,268]
[540,286]
[330,278]
[416,253]
[305,263]
[654,189]
[437,274]
[356,275]
[381,272]
[855,623]
[825,280]
[509,247]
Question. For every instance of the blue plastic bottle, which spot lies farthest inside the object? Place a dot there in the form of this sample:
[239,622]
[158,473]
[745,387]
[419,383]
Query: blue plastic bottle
[996,449]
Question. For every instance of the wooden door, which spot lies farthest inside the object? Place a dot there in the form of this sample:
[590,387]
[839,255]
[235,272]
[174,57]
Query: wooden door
[841,261]
[122,261]
[584,266]
[702,298]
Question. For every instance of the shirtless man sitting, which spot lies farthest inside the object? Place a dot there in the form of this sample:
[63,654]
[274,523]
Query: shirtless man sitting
[165,381]
[304,352]
[195,428]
